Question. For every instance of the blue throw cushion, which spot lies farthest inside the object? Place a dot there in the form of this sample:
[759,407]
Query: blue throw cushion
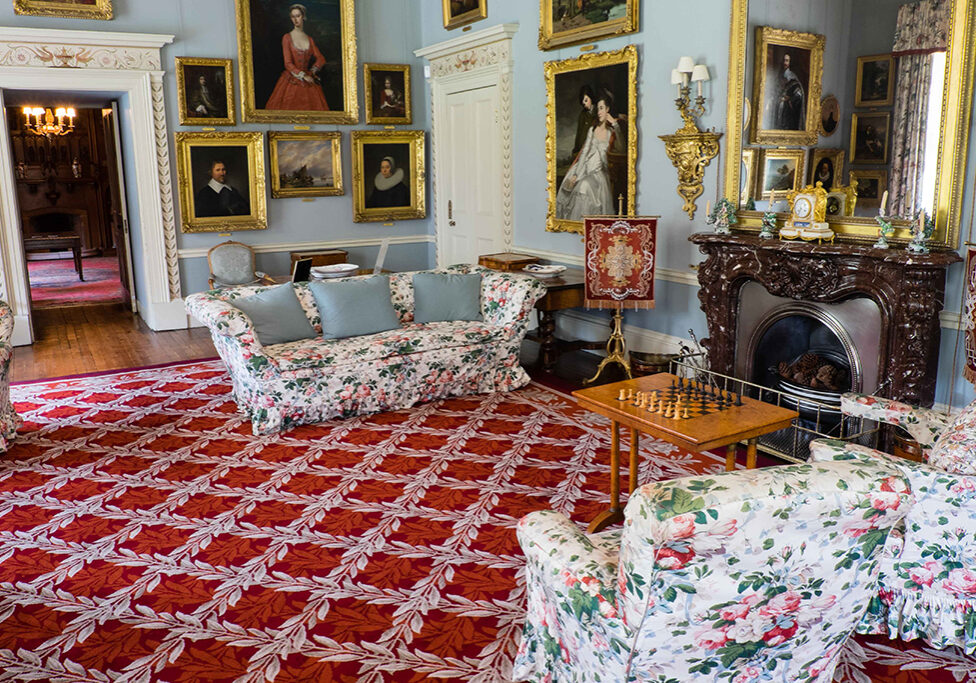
[350,308]
[446,296]
[277,315]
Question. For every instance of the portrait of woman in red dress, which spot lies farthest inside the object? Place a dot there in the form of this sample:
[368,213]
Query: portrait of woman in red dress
[299,87]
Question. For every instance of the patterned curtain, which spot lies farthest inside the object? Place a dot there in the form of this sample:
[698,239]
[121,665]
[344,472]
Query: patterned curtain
[922,29]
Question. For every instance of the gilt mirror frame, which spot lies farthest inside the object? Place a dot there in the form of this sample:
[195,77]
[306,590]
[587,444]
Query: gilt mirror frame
[953,141]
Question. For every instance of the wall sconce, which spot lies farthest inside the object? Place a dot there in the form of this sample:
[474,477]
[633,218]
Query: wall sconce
[48,123]
[689,148]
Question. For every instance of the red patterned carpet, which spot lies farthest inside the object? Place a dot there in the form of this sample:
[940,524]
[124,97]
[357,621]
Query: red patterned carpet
[145,535]
[55,283]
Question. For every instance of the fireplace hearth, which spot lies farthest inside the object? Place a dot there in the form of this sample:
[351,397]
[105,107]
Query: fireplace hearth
[844,288]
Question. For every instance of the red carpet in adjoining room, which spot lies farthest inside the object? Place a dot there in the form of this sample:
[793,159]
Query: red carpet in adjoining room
[55,283]
[146,535]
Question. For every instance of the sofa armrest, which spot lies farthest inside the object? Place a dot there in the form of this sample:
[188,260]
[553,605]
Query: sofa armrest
[940,524]
[924,424]
[224,320]
[556,547]
[507,299]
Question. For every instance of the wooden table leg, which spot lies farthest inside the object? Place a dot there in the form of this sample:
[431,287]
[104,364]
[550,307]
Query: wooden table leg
[615,513]
[730,452]
[634,446]
[547,340]
[751,454]
[76,250]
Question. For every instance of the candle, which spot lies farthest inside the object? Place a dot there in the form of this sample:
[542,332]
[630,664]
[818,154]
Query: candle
[921,222]
[708,208]
[699,88]
[884,202]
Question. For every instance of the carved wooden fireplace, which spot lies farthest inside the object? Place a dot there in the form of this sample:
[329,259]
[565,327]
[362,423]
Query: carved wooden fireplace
[907,290]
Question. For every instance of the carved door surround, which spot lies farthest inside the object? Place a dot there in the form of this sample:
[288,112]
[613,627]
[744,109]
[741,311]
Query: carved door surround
[98,61]
[478,59]
[909,289]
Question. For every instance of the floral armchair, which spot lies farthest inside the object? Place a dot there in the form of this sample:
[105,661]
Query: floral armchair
[9,420]
[754,575]
[928,571]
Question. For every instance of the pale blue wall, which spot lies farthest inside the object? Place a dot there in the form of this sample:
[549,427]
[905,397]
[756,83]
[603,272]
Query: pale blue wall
[387,31]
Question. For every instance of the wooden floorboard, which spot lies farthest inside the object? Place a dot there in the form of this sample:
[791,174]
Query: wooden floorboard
[80,339]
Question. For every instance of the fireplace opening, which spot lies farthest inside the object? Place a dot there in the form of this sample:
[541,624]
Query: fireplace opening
[53,223]
[799,355]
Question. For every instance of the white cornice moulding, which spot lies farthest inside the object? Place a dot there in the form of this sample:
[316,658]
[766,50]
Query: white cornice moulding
[99,38]
[468,41]
[667,274]
[201,252]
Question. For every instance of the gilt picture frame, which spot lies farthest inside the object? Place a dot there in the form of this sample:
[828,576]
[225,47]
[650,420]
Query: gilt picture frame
[574,133]
[566,22]
[787,83]
[206,91]
[387,94]
[305,164]
[871,185]
[827,167]
[204,205]
[458,13]
[389,178]
[283,81]
[781,170]
[870,133]
[66,9]
[875,81]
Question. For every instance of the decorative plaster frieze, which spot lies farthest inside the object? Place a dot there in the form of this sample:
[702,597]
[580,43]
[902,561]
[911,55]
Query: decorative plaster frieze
[79,56]
[476,58]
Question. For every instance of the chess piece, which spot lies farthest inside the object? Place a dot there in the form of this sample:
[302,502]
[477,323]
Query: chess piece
[685,415]
[623,395]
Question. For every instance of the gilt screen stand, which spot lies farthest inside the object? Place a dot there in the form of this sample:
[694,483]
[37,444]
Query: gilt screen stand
[618,269]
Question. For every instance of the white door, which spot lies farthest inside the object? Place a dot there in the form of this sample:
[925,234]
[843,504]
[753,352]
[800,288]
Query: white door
[470,221]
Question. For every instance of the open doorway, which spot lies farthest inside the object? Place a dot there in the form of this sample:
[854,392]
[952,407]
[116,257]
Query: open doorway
[70,191]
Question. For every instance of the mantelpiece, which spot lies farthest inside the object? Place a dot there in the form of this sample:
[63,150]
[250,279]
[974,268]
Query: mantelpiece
[908,288]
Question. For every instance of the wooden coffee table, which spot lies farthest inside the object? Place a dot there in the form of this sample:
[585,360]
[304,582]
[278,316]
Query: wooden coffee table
[697,433]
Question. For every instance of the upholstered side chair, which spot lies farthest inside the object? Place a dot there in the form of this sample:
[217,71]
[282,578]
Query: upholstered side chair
[748,575]
[928,570]
[232,265]
[9,419]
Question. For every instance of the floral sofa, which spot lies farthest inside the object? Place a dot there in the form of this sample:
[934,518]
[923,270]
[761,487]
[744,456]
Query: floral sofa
[757,575]
[928,571]
[312,380]
[9,419]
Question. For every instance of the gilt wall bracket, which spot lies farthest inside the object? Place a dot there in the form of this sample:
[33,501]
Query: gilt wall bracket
[691,150]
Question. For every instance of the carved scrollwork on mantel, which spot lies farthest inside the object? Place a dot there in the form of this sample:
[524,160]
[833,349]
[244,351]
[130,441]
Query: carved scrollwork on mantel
[909,290]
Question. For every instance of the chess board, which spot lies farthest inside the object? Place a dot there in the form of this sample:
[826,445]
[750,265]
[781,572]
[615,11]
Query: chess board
[682,400]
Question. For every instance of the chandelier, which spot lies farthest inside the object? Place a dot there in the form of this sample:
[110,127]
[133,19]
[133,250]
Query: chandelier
[48,123]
